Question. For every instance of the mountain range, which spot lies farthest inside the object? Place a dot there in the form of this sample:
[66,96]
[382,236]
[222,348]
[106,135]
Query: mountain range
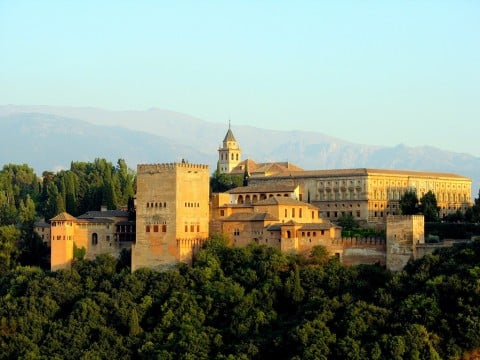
[49,138]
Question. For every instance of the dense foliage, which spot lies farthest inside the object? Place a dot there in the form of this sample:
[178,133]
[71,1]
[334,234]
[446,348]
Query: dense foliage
[427,205]
[223,182]
[85,186]
[25,198]
[248,303]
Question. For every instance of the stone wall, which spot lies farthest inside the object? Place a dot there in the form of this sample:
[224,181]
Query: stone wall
[404,233]
[172,203]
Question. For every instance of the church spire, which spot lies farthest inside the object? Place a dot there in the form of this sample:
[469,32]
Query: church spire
[229,155]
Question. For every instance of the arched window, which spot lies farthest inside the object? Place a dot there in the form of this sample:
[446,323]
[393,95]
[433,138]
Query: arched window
[237,157]
[94,239]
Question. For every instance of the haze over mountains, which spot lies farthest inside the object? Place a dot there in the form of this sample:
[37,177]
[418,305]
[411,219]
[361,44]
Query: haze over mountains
[49,138]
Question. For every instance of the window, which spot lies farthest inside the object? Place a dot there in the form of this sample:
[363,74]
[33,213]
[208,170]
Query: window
[192,228]
[300,213]
[293,212]
[147,229]
[94,239]
[155,228]
[186,228]
[108,238]
[164,228]
[222,212]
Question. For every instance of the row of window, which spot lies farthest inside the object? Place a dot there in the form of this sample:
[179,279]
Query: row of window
[60,237]
[293,212]
[61,223]
[232,157]
[336,214]
[156,205]
[192,228]
[155,228]
[192,204]
[236,232]
[247,199]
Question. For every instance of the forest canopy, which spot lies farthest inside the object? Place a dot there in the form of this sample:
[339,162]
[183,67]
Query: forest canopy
[245,303]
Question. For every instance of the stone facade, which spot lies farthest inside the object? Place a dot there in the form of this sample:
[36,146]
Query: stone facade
[42,228]
[371,195]
[404,235]
[277,220]
[98,232]
[172,208]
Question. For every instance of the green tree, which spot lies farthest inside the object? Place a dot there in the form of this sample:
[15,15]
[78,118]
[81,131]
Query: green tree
[429,207]
[9,239]
[222,182]
[347,222]
[409,203]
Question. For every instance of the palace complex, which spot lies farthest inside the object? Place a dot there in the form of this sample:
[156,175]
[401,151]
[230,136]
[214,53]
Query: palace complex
[283,206]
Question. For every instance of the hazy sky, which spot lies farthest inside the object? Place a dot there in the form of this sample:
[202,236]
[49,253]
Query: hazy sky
[374,72]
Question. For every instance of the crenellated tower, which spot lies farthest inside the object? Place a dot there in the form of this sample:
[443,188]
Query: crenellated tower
[172,214]
[230,154]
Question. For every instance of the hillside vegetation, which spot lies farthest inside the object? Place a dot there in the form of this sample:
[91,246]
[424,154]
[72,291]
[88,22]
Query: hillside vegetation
[248,303]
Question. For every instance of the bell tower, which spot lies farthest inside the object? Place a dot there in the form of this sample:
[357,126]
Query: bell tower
[230,154]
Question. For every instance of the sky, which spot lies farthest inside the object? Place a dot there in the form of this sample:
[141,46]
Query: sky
[371,72]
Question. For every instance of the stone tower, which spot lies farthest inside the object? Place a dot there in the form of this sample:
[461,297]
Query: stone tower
[404,233]
[62,233]
[230,154]
[172,214]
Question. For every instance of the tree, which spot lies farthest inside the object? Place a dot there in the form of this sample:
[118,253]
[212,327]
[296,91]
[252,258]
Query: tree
[9,237]
[347,222]
[409,203]
[429,207]
[222,182]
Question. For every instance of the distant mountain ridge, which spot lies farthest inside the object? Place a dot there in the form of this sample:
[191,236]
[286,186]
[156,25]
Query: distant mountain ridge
[49,138]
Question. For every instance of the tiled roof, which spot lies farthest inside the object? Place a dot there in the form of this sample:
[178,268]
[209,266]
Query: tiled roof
[132,222]
[103,214]
[63,216]
[274,227]
[263,189]
[254,168]
[318,226]
[251,217]
[41,223]
[362,172]
[96,220]
[282,200]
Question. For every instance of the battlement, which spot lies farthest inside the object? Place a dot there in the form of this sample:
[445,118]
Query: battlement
[401,218]
[360,242]
[154,168]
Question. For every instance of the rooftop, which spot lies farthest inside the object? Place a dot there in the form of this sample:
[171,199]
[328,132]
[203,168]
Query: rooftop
[362,172]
